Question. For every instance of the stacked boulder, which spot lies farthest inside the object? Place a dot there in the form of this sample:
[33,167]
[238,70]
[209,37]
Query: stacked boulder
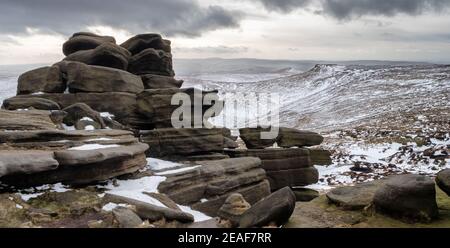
[33,151]
[290,164]
[98,113]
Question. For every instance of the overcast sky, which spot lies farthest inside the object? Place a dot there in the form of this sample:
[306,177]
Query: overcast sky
[32,31]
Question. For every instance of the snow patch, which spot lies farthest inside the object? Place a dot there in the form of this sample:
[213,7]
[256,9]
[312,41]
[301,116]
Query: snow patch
[88,147]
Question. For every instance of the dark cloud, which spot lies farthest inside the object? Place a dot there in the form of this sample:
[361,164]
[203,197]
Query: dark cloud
[170,17]
[213,49]
[284,5]
[348,9]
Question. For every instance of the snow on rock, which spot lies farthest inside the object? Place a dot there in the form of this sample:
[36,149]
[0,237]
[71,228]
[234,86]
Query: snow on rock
[107,115]
[68,128]
[87,147]
[155,164]
[31,193]
[170,172]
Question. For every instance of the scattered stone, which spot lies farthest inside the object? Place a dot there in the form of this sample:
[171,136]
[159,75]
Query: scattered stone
[443,181]
[305,194]
[412,197]
[235,205]
[277,207]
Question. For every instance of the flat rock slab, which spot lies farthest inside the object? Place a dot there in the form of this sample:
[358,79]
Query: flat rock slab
[26,162]
[32,102]
[26,120]
[290,137]
[99,79]
[354,197]
[443,181]
[277,159]
[186,141]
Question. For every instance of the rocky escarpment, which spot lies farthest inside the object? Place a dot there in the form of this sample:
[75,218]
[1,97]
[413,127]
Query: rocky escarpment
[106,112]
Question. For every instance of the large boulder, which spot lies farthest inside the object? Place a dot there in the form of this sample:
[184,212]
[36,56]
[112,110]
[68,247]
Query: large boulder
[157,105]
[47,79]
[206,187]
[32,102]
[152,81]
[253,139]
[106,54]
[410,197]
[141,42]
[85,78]
[85,41]
[151,61]
[290,137]
[78,111]
[276,209]
[443,180]
[170,142]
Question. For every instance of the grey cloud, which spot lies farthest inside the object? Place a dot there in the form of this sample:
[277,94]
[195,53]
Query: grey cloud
[170,17]
[348,9]
[284,5]
[213,49]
